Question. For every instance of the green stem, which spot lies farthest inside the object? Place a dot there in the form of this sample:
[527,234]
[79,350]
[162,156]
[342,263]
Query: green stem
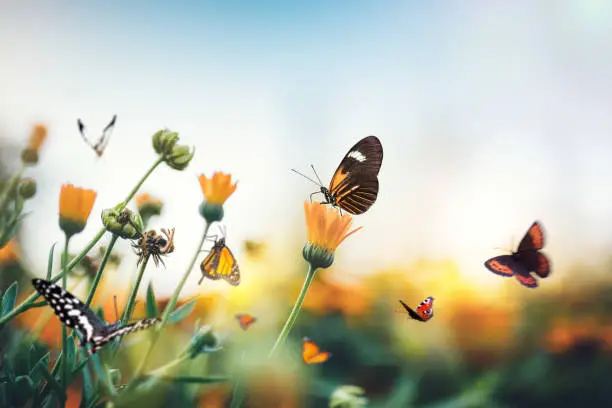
[10,186]
[140,183]
[96,281]
[27,303]
[295,311]
[129,308]
[158,372]
[65,362]
[171,305]
[237,393]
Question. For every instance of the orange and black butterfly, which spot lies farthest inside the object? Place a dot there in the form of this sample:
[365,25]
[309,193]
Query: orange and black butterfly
[245,320]
[354,186]
[101,143]
[312,354]
[220,263]
[525,260]
[423,312]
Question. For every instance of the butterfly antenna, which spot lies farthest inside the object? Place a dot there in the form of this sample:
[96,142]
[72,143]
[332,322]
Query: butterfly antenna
[315,172]
[306,177]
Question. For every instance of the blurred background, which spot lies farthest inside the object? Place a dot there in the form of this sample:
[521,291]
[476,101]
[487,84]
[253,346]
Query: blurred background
[492,114]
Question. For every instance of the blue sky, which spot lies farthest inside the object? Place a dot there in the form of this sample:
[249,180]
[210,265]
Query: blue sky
[492,114]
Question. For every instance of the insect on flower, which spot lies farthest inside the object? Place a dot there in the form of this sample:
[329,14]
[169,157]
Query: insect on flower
[154,245]
[423,312]
[526,259]
[76,315]
[354,186]
[220,263]
[102,142]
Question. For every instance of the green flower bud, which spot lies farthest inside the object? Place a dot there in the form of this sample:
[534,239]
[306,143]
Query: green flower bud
[29,155]
[27,188]
[180,157]
[204,341]
[317,257]
[211,212]
[164,141]
[126,224]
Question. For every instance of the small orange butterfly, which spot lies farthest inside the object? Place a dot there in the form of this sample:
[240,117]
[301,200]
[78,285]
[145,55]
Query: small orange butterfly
[245,320]
[423,312]
[312,354]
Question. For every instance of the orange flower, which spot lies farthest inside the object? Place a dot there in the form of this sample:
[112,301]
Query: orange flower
[75,205]
[29,155]
[326,229]
[218,188]
[37,137]
[325,226]
[9,253]
[148,206]
[327,296]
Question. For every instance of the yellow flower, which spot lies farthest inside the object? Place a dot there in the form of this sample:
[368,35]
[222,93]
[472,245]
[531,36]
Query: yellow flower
[326,230]
[37,138]
[216,190]
[9,253]
[75,205]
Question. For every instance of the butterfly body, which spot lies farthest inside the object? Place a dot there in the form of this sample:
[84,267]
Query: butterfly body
[220,263]
[312,354]
[78,316]
[423,312]
[99,145]
[354,185]
[526,259]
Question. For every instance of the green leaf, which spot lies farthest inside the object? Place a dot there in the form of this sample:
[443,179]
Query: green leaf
[50,262]
[181,312]
[35,373]
[52,382]
[21,390]
[88,387]
[71,351]
[8,300]
[151,303]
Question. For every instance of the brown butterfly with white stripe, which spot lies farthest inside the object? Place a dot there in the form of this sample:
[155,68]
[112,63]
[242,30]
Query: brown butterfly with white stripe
[101,143]
[76,315]
[354,186]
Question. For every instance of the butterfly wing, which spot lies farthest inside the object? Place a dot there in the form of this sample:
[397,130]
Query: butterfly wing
[425,309]
[84,134]
[535,261]
[355,192]
[507,266]
[112,332]
[533,239]
[220,263]
[366,155]
[412,313]
[106,134]
[245,320]
[311,354]
[70,310]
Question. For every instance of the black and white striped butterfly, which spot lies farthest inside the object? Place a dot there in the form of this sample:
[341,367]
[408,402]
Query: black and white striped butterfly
[101,143]
[76,315]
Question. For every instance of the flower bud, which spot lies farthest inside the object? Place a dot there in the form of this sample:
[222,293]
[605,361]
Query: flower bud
[125,224]
[164,141]
[204,341]
[29,155]
[317,257]
[27,188]
[211,211]
[180,157]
